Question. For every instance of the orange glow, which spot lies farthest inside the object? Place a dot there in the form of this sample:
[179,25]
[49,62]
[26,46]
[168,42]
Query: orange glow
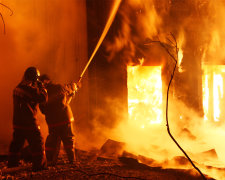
[213,91]
[144,95]
[181,42]
[180,57]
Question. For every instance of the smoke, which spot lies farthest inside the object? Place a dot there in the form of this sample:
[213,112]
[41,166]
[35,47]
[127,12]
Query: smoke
[200,21]
[214,32]
[47,34]
[137,21]
[200,140]
[199,31]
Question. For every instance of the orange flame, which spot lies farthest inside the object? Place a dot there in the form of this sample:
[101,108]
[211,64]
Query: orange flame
[181,41]
[144,95]
[212,91]
[180,57]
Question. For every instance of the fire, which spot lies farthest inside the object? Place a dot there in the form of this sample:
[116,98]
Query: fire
[206,96]
[213,91]
[180,44]
[215,42]
[144,95]
[180,57]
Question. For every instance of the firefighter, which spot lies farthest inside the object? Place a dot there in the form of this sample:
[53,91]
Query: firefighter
[59,118]
[26,97]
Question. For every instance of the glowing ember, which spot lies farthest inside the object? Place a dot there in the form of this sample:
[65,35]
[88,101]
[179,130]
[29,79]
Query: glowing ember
[213,91]
[144,95]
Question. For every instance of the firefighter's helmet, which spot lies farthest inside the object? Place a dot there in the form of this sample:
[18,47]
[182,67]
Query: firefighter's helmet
[44,77]
[31,74]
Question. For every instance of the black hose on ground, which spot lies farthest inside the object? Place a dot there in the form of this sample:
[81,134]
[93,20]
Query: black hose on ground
[167,99]
[168,128]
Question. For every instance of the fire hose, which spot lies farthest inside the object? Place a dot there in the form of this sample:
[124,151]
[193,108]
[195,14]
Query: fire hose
[167,95]
[168,128]
[167,102]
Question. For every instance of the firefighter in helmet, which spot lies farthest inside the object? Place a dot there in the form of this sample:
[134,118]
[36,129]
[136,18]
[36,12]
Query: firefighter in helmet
[59,118]
[26,97]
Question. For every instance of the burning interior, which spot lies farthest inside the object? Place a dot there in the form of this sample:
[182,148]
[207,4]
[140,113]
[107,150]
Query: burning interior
[144,95]
[213,92]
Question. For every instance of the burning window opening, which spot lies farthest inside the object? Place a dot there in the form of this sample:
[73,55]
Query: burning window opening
[144,95]
[213,99]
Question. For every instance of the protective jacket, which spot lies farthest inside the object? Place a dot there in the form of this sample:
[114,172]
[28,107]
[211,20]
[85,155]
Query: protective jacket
[59,116]
[26,98]
[25,103]
[57,110]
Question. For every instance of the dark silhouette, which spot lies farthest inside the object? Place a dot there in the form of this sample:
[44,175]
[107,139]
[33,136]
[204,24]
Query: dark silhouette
[59,118]
[26,97]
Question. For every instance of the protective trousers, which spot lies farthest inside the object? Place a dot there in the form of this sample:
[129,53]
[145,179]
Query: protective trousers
[57,134]
[35,141]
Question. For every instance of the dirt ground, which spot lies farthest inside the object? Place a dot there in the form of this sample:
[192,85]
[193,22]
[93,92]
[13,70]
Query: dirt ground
[90,166]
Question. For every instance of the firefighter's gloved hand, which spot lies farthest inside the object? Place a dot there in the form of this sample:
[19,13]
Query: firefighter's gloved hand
[78,85]
[40,84]
[75,86]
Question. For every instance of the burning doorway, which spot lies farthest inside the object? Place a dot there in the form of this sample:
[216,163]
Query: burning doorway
[144,95]
[213,80]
